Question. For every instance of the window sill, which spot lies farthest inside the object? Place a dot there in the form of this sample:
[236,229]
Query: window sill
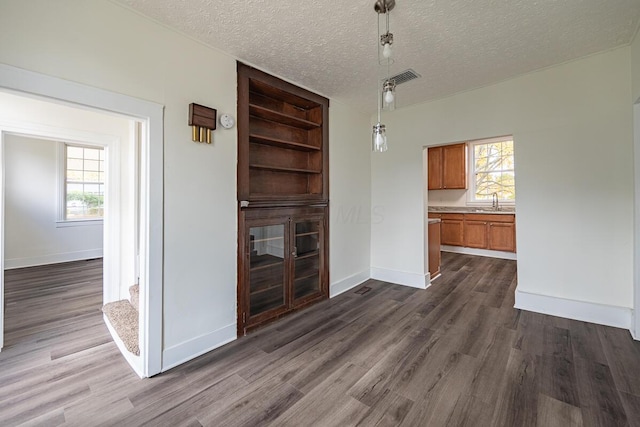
[78,223]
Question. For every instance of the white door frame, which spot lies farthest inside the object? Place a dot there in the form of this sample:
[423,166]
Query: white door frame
[635,327]
[151,191]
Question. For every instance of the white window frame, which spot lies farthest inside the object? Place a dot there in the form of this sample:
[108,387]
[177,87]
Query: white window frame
[62,221]
[471,192]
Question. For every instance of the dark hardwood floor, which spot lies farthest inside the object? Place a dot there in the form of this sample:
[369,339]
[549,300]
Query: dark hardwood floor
[455,354]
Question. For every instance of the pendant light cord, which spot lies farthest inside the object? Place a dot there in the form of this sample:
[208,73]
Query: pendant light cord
[378,73]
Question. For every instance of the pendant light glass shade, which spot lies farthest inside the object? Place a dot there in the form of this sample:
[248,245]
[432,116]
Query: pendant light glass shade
[379,138]
[386,51]
[389,95]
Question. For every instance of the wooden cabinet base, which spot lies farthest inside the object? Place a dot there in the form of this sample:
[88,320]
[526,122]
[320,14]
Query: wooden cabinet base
[495,232]
[282,262]
[502,236]
[475,234]
[434,250]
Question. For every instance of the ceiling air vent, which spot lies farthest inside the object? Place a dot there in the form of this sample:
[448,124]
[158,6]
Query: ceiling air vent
[405,76]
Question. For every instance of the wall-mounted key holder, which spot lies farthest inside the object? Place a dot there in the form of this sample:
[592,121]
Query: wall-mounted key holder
[202,121]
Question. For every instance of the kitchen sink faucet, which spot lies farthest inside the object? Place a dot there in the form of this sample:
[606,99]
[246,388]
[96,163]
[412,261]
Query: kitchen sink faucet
[494,202]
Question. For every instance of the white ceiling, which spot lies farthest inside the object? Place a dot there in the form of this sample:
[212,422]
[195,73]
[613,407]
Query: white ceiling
[330,46]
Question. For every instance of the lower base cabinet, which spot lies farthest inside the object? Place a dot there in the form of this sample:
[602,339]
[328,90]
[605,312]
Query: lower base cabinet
[502,236]
[495,232]
[475,234]
[282,263]
[452,229]
[435,258]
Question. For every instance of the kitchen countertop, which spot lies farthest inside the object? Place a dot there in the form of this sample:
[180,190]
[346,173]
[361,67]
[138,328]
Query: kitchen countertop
[507,210]
[433,220]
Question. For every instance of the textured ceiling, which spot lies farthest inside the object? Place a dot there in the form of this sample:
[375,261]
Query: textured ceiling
[330,46]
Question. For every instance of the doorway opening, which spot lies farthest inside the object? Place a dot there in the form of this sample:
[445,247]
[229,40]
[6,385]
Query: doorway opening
[469,199]
[133,218]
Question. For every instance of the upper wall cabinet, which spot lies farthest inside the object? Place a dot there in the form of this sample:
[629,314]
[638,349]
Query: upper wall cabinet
[447,167]
[283,135]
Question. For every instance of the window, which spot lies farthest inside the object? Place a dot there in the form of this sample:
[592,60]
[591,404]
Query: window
[493,170]
[83,183]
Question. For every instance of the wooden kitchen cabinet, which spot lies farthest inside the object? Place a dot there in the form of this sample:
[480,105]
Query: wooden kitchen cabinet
[434,172]
[447,167]
[475,234]
[452,229]
[496,232]
[502,236]
[434,249]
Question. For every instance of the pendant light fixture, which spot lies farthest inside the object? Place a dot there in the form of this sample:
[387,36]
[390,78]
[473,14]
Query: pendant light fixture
[386,96]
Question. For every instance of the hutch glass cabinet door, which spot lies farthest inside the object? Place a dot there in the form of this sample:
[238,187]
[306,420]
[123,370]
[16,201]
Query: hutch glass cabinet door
[267,267]
[307,256]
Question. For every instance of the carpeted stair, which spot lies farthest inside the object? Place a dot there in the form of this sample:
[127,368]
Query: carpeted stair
[123,316]
[134,291]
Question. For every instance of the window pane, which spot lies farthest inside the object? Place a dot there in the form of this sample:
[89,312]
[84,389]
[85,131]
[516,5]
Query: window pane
[74,175]
[74,164]
[74,152]
[92,188]
[92,177]
[91,165]
[77,188]
[90,153]
[84,183]
[494,170]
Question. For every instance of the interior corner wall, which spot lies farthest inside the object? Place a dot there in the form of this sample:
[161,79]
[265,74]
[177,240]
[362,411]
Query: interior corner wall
[572,128]
[350,197]
[31,209]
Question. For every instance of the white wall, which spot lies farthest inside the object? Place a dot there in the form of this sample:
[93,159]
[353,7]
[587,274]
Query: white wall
[32,236]
[448,197]
[573,135]
[635,79]
[105,45]
[350,195]
[635,67]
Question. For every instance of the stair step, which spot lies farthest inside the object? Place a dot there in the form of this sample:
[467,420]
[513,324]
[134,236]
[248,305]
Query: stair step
[124,319]
[134,291]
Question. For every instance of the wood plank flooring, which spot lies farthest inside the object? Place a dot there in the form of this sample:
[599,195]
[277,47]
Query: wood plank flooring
[456,354]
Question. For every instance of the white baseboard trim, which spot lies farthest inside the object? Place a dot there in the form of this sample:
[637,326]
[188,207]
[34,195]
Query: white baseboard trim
[618,317]
[414,280]
[12,263]
[479,252]
[134,361]
[348,283]
[185,351]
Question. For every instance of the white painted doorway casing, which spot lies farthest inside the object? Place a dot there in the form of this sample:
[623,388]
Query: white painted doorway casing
[635,327]
[150,115]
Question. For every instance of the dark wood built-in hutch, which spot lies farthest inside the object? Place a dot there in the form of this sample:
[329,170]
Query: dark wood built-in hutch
[283,198]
